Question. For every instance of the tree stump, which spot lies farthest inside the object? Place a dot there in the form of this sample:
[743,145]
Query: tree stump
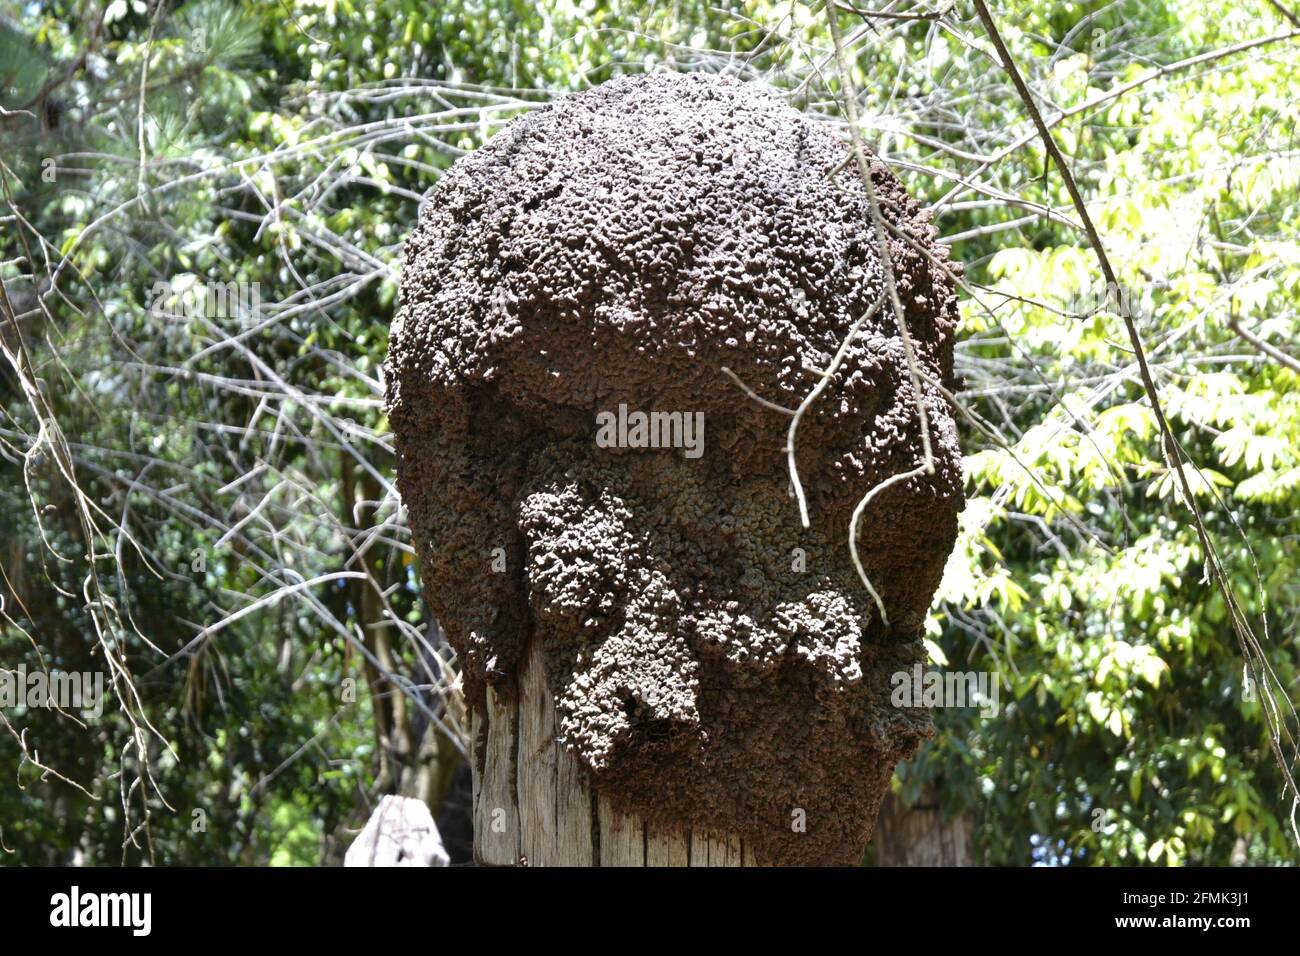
[534,804]
[919,835]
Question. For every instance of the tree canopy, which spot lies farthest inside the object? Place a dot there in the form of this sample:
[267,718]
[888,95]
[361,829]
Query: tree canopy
[201,222]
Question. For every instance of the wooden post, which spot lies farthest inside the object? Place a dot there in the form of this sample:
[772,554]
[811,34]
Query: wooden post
[919,836]
[534,806]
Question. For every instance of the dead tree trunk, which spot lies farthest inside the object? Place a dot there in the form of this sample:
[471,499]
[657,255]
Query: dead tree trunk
[919,836]
[534,806]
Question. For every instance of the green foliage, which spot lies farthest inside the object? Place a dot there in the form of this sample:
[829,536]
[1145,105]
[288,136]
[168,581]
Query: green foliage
[1126,706]
[290,144]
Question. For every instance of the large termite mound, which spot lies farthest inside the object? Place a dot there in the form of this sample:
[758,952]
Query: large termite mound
[715,664]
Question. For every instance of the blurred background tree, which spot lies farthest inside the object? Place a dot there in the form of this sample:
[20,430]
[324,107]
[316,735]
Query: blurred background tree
[200,243]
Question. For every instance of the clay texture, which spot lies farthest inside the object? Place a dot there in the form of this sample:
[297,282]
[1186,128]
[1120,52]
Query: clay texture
[713,662]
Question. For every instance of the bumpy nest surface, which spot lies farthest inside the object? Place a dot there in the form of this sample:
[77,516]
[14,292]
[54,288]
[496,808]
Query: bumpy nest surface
[713,663]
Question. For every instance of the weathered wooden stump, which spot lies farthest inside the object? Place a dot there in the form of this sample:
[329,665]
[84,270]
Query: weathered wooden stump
[534,805]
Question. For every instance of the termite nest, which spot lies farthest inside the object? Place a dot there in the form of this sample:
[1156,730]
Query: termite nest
[714,664]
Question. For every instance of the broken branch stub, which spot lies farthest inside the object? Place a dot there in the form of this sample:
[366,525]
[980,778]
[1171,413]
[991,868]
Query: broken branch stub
[586,484]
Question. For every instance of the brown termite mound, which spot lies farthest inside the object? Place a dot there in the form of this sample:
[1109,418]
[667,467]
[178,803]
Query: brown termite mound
[714,665]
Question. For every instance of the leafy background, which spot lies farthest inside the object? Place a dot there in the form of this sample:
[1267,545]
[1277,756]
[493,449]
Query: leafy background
[203,507]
